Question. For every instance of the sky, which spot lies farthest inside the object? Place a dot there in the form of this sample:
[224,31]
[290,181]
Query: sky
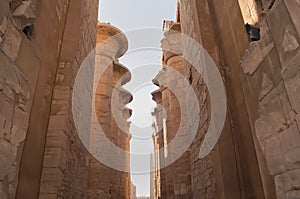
[142,22]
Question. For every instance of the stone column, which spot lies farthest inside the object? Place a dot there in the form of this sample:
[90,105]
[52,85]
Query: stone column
[167,175]
[176,64]
[120,128]
[158,143]
[113,44]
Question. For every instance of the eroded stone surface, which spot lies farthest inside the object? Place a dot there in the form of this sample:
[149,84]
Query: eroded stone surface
[11,43]
[267,4]
[3,25]
[249,63]
[289,42]
[7,157]
[266,86]
[271,90]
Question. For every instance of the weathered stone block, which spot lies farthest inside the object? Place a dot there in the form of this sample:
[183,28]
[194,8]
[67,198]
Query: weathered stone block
[11,43]
[51,180]
[275,107]
[61,8]
[293,194]
[30,67]
[294,178]
[62,92]
[15,87]
[25,9]
[287,182]
[60,107]
[280,192]
[290,138]
[8,93]
[250,64]
[19,128]
[3,191]
[283,31]
[266,86]
[291,76]
[298,119]
[292,159]
[294,9]
[4,8]
[289,42]
[58,122]
[3,26]
[267,4]
[6,116]
[275,164]
[55,157]
[266,126]
[48,196]
[2,83]
[7,157]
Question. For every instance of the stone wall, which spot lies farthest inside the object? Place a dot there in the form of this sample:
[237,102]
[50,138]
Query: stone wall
[210,176]
[23,64]
[233,37]
[174,179]
[31,70]
[270,79]
[233,164]
[65,164]
[257,155]
[18,79]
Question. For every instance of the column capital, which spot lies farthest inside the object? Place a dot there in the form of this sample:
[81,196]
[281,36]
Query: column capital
[122,72]
[114,42]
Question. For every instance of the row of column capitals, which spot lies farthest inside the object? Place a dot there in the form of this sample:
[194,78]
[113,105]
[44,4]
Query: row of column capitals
[112,43]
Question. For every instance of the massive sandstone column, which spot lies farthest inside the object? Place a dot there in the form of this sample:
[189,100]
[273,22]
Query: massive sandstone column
[106,182]
[120,127]
[176,64]
[178,173]
[161,98]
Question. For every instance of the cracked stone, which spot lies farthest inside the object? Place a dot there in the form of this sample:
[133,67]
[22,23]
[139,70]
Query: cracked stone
[266,86]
